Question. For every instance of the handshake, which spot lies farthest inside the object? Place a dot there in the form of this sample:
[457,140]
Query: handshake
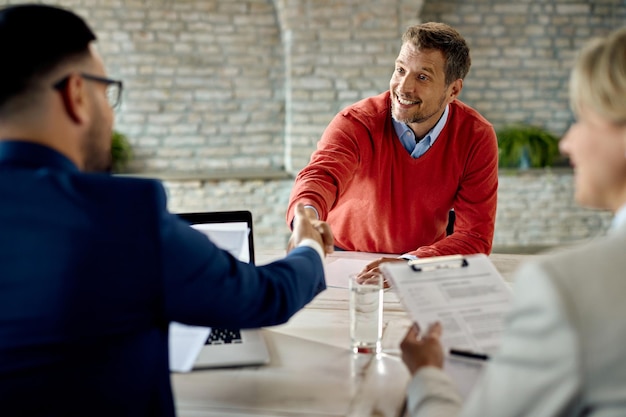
[305,227]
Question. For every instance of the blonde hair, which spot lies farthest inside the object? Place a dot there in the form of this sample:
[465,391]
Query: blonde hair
[598,80]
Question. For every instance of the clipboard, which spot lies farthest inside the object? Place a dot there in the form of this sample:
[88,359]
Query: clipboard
[466,293]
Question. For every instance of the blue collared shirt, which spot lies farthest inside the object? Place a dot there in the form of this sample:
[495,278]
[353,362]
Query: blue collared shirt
[407,137]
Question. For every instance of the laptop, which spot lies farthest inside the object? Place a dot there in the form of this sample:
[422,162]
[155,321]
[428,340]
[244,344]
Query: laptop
[231,231]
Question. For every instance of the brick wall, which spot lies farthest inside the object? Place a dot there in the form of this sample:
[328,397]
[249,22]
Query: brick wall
[238,85]
[251,84]
[522,52]
[536,208]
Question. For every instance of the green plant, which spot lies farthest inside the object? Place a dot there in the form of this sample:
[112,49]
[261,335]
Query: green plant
[121,152]
[525,146]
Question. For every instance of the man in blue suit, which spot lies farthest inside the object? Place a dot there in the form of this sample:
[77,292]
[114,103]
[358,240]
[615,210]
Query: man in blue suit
[93,267]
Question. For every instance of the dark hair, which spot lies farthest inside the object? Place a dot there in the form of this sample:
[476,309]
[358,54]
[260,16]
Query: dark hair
[34,39]
[439,36]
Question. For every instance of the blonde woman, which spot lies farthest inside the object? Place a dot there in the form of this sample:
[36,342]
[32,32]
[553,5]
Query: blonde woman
[563,352]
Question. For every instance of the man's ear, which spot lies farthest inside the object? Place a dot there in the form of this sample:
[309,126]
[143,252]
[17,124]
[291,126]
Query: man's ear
[74,95]
[454,89]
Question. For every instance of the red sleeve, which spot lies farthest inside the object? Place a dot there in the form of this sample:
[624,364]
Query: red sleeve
[332,165]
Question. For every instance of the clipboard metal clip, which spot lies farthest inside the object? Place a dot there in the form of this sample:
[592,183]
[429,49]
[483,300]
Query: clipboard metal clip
[440,262]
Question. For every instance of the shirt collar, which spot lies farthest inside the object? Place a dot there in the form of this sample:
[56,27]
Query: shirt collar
[436,130]
[400,127]
[32,155]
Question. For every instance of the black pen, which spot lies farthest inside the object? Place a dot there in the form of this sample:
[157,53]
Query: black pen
[468,354]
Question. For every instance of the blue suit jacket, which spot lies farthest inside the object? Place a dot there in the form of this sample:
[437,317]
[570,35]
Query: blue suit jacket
[92,270]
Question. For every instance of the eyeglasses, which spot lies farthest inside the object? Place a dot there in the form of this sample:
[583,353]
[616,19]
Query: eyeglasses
[113,87]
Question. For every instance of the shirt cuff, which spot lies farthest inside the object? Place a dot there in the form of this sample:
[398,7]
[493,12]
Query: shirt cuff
[408,257]
[313,245]
[431,392]
[317,214]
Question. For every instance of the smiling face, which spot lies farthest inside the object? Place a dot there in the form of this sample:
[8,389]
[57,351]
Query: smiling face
[418,89]
[596,143]
[596,148]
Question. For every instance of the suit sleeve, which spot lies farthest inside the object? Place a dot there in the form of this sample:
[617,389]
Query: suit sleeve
[535,373]
[431,393]
[204,285]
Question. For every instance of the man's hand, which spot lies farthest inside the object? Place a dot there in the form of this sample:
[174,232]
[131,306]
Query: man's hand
[419,350]
[372,268]
[306,228]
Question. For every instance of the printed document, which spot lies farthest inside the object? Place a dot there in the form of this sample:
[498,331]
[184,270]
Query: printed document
[470,301]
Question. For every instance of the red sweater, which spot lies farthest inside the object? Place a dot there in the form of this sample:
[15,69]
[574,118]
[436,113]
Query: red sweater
[377,198]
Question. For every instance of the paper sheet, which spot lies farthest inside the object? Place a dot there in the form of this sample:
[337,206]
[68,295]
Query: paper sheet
[470,302]
[185,343]
[338,272]
[340,265]
[232,237]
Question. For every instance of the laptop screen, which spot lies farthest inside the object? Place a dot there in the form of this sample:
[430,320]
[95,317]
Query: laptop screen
[229,230]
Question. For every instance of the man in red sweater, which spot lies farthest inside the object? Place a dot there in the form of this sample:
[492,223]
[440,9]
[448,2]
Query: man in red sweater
[389,168]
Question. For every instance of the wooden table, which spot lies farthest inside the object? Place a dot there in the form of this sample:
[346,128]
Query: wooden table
[313,371]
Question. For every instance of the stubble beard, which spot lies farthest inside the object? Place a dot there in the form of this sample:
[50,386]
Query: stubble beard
[416,117]
[97,146]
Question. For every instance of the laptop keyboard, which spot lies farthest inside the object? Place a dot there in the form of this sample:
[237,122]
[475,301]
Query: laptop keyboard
[220,336]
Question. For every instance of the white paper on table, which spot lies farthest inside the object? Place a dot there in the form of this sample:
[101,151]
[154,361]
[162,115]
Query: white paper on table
[340,265]
[339,271]
[232,237]
[185,343]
